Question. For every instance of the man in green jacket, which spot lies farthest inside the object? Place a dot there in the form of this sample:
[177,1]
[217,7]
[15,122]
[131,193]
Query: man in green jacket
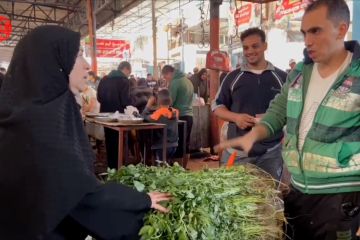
[181,92]
[320,106]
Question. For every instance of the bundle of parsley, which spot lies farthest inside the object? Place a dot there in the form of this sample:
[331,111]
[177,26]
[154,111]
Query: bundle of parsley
[239,203]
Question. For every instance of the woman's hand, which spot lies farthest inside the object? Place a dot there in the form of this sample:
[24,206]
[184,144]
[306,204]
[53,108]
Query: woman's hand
[156,198]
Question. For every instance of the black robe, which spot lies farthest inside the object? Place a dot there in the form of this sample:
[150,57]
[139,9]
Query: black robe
[1,79]
[46,175]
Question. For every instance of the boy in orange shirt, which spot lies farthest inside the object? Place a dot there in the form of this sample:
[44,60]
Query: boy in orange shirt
[165,114]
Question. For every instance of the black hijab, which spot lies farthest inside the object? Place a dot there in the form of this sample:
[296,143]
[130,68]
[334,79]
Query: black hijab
[45,156]
[2,76]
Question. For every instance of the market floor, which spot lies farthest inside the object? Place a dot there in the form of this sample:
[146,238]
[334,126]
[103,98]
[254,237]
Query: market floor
[194,164]
[198,164]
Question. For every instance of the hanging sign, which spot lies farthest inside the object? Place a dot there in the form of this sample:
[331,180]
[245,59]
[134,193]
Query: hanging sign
[5,28]
[109,48]
[218,60]
[290,7]
[243,14]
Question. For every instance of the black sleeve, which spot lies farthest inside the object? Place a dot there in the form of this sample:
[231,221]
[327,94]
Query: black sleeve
[99,92]
[118,197]
[114,211]
[124,93]
[223,96]
[1,78]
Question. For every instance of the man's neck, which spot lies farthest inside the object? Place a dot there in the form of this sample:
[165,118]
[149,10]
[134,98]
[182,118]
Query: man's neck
[333,63]
[262,65]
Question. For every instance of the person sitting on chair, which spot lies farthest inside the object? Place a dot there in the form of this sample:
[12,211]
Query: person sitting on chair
[164,114]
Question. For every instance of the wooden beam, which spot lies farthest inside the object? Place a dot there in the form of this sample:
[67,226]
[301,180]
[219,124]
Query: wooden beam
[92,33]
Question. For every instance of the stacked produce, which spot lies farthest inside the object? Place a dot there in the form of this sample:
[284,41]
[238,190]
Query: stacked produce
[239,203]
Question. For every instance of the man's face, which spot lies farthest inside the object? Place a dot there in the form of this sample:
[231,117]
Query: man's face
[292,65]
[168,76]
[322,38]
[126,71]
[254,49]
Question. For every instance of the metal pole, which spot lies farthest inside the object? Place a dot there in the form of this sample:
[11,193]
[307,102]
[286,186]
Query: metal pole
[356,20]
[168,45]
[214,74]
[92,33]
[156,72]
[182,41]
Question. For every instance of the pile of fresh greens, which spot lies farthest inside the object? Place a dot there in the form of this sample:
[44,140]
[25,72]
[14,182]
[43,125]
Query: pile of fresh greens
[237,203]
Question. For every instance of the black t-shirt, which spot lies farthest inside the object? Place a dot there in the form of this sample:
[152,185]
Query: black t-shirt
[243,91]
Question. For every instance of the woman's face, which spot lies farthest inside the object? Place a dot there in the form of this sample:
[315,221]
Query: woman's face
[79,74]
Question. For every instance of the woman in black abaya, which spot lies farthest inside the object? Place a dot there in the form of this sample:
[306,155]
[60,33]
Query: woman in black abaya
[48,187]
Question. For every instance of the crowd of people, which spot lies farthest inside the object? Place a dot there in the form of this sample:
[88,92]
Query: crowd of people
[47,162]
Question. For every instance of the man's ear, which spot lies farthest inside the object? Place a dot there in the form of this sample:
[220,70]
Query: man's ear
[343,28]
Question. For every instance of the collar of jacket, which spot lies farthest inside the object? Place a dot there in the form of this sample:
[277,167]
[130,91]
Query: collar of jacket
[117,73]
[269,67]
[352,46]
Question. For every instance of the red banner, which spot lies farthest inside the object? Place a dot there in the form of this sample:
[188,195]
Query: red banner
[5,28]
[108,48]
[243,14]
[290,7]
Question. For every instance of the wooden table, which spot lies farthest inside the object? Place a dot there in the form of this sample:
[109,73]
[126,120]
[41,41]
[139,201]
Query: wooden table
[123,129]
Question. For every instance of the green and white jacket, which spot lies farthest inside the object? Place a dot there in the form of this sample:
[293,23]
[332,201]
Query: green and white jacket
[330,159]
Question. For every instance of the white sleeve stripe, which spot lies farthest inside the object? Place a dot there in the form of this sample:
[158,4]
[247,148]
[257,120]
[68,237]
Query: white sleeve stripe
[237,79]
[277,78]
[214,106]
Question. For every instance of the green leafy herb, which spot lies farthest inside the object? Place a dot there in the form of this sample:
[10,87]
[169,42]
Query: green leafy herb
[238,203]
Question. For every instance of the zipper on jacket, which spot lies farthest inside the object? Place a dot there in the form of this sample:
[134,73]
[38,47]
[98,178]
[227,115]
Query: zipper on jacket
[259,98]
[297,138]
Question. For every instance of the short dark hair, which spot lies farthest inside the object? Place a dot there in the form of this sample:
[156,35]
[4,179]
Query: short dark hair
[253,31]
[141,82]
[167,69]
[124,65]
[337,10]
[163,97]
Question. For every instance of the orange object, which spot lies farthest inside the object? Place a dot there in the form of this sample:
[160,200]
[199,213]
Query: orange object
[231,160]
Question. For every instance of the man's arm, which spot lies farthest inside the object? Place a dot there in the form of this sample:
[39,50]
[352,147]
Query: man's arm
[273,121]
[173,91]
[124,94]
[242,120]
[223,102]
[223,113]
